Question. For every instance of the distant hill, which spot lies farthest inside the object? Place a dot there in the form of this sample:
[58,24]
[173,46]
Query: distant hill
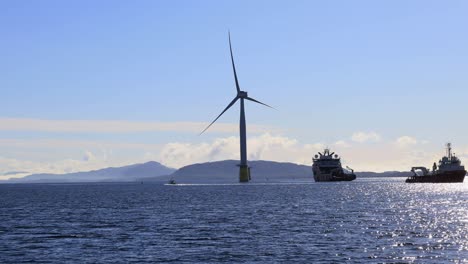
[126,173]
[210,172]
[227,172]
[261,171]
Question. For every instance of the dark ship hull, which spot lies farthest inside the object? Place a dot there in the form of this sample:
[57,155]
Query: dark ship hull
[332,178]
[440,177]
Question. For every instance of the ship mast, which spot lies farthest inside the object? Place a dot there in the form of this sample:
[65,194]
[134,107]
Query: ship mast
[449,151]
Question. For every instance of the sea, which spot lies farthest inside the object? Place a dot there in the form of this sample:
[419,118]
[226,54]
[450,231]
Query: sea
[364,221]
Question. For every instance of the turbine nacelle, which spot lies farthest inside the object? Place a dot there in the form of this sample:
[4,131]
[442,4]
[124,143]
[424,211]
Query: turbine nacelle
[242,94]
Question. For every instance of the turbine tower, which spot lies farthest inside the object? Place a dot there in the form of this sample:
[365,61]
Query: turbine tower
[244,170]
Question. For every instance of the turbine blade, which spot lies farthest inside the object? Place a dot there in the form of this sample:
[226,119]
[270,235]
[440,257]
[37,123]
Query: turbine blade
[225,109]
[233,66]
[253,100]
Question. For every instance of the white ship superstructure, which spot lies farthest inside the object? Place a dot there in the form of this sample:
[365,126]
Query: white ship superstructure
[449,169]
[327,167]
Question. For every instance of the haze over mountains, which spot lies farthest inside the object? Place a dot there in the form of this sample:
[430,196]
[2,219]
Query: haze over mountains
[211,172]
[119,174]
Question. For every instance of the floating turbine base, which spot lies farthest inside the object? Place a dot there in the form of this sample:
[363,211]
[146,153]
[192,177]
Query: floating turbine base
[244,173]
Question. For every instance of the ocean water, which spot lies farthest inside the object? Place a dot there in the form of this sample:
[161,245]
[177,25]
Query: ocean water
[367,220]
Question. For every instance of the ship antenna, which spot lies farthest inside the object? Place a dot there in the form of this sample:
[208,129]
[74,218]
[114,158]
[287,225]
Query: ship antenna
[449,151]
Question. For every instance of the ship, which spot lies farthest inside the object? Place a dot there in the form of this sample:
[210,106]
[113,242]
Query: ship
[327,167]
[448,170]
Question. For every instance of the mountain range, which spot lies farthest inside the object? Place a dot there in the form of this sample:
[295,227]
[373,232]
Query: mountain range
[119,174]
[210,172]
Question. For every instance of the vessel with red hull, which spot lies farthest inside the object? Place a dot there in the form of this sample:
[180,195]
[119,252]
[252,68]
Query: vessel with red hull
[449,170]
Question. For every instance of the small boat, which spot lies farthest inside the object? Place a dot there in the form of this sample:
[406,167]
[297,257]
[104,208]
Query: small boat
[172,181]
[449,170]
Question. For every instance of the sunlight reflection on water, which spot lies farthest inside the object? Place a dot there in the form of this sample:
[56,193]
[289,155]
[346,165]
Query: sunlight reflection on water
[368,220]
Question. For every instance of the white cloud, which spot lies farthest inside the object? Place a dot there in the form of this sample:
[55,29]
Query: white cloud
[405,141]
[179,154]
[89,156]
[342,144]
[315,147]
[174,154]
[361,157]
[52,166]
[362,137]
[27,155]
[118,126]
[69,144]
[265,146]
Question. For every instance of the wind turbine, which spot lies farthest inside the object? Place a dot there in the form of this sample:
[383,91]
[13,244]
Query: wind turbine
[244,170]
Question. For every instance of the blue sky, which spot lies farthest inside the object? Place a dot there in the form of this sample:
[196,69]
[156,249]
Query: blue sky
[136,80]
